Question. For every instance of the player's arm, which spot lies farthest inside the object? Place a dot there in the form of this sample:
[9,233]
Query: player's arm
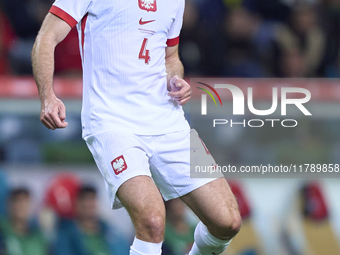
[53,31]
[178,87]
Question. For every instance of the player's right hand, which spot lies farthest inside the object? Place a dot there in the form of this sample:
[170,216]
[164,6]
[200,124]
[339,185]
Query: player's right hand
[53,113]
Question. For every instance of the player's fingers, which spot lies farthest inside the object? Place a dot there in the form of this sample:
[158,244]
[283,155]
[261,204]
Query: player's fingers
[176,94]
[173,81]
[62,112]
[181,93]
[57,121]
[64,123]
[47,123]
[184,101]
[62,115]
[184,89]
[179,83]
[182,97]
[45,118]
[187,95]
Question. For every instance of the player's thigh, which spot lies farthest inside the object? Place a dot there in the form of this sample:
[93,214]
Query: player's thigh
[215,205]
[119,156]
[144,203]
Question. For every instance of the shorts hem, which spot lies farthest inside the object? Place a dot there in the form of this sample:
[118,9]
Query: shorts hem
[189,189]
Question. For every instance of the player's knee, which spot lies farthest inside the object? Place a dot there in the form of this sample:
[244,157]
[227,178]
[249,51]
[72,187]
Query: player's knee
[153,226]
[228,227]
[236,223]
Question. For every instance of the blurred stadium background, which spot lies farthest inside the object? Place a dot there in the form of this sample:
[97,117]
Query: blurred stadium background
[221,38]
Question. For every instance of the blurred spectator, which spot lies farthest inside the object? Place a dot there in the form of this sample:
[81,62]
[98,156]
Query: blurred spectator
[179,234]
[303,40]
[240,52]
[61,195]
[330,15]
[293,64]
[273,10]
[211,12]
[2,245]
[6,37]
[25,17]
[3,198]
[3,192]
[88,234]
[207,34]
[332,70]
[233,3]
[67,55]
[192,43]
[20,236]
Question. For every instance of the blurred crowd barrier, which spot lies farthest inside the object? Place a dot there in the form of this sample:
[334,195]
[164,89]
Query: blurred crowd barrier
[315,140]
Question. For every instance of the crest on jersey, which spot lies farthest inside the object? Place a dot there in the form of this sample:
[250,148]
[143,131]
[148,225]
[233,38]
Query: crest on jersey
[119,165]
[148,5]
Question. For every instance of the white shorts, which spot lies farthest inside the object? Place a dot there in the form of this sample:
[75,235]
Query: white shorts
[121,156]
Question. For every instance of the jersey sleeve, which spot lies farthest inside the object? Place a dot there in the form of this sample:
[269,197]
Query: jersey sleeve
[71,11]
[175,29]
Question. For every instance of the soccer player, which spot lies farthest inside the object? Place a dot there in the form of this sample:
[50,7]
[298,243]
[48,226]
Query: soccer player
[132,118]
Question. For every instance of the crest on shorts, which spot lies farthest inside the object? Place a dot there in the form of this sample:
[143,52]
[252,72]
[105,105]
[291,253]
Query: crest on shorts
[148,5]
[119,165]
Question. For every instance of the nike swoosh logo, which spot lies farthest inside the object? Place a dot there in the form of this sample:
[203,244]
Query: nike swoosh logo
[141,22]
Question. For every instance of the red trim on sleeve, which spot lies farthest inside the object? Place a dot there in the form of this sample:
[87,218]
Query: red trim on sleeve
[173,41]
[63,15]
[83,25]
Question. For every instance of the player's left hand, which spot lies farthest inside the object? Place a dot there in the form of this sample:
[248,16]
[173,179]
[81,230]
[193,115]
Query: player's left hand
[180,90]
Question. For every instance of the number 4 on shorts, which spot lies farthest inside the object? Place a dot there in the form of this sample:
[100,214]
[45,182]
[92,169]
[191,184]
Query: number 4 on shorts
[144,53]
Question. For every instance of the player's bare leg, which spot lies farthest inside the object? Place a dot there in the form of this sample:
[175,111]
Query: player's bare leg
[145,205]
[216,207]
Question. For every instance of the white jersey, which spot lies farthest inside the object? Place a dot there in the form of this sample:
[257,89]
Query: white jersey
[122,46]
